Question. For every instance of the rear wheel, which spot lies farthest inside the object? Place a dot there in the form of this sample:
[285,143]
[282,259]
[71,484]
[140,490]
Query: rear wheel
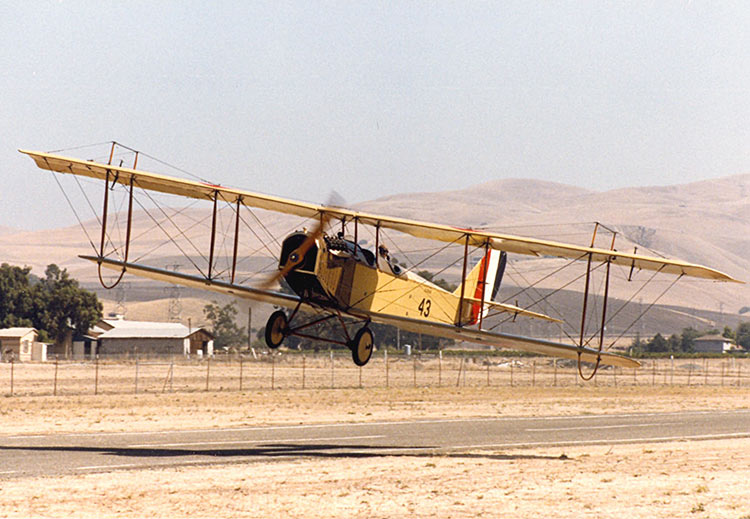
[362,346]
[276,329]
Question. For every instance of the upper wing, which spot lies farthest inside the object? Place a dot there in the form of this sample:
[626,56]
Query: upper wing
[447,331]
[444,233]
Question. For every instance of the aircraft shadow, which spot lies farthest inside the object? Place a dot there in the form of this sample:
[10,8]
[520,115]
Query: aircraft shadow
[280,450]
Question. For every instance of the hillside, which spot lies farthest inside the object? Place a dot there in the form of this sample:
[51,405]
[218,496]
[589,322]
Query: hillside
[704,222]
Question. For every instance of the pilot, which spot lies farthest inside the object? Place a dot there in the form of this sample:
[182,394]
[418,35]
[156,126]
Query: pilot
[384,253]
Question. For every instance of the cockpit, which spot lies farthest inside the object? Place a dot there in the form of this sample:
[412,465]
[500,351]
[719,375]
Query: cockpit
[340,246]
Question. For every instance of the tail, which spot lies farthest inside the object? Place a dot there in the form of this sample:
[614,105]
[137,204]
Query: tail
[483,283]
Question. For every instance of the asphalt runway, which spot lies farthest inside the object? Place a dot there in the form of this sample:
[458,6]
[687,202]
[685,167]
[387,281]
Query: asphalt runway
[56,454]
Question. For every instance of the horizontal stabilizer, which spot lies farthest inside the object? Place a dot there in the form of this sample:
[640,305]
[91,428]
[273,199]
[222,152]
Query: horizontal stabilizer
[512,309]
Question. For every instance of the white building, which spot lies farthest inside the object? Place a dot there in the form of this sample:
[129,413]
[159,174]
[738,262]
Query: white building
[715,344]
[21,344]
[121,337]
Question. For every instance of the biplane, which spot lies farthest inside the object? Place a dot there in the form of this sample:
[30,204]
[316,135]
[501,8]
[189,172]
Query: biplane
[334,275]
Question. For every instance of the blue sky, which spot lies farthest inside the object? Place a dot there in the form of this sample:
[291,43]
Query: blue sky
[376,98]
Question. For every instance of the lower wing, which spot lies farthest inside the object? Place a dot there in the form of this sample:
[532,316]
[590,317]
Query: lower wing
[503,340]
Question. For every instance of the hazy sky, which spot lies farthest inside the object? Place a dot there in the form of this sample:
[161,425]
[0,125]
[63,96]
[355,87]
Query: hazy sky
[376,98]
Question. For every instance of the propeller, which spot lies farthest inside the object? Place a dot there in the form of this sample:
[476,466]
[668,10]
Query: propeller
[298,255]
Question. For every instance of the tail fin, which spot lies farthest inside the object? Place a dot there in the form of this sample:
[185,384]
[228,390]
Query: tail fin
[483,283]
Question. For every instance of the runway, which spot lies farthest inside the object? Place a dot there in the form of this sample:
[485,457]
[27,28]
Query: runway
[46,455]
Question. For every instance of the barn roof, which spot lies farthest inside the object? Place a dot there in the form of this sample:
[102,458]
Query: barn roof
[15,332]
[146,329]
[713,338]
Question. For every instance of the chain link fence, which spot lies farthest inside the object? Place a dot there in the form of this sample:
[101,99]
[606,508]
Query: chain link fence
[335,370]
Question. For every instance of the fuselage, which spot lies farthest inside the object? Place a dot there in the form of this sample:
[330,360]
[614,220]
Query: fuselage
[337,273]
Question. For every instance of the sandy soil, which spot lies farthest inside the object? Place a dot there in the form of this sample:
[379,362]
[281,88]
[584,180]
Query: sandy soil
[706,479]
[677,479]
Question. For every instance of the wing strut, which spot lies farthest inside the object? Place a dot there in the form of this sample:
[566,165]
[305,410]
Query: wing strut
[236,237]
[213,237]
[463,283]
[484,284]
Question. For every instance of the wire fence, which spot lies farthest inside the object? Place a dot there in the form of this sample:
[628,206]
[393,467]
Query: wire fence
[335,370]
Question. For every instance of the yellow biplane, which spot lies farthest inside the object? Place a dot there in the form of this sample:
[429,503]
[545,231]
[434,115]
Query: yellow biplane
[332,273]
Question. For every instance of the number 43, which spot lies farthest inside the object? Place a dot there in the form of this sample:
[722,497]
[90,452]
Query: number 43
[424,307]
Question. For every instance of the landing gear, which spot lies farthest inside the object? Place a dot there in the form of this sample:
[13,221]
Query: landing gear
[361,346]
[276,329]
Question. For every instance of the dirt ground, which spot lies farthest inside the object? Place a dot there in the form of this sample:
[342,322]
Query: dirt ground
[676,479]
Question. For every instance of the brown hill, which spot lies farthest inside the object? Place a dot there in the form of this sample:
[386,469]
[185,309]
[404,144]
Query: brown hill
[703,222]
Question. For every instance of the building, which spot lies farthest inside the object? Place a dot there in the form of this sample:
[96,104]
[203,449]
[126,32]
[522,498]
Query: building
[21,344]
[715,344]
[121,337]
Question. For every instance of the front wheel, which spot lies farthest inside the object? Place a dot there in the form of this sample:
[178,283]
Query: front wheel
[362,346]
[276,328]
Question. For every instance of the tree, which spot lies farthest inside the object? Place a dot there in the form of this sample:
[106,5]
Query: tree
[16,297]
[728,333]
[61,304]
[658,344]
[52,305]
[688,339]
[223,326]
[743,335]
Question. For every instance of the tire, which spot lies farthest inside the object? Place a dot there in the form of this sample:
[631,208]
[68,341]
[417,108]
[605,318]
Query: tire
[276,328]
[362,346]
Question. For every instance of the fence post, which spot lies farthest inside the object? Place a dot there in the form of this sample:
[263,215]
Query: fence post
[671,370]
[385,356]
[614,374]
[690,372]
[54,388]
[705,372]
[240,373]
[460,367]
[96,376]
[208,371]
[168,378]
[303,371]
[12,363]
[440,368]
[273,370]
[554,380]
[533,373]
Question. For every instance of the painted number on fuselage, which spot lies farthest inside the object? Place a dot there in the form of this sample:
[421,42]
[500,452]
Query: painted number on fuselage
[424,307]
